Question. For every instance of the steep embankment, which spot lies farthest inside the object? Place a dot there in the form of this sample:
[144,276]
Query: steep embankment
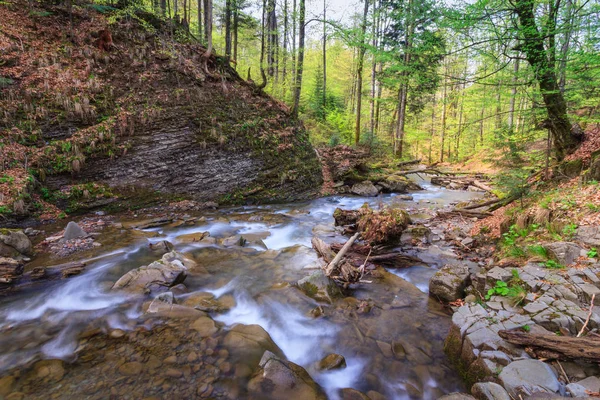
[84,126]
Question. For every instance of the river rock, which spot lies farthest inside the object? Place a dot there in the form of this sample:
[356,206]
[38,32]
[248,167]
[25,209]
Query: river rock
[161,247]
[156,277]
[489,391]
[131,368]
[73,231]
[589,235]
[581,388]
[283,380]
[457,396]
[249,342]
[17,240]
[332,361]
[448,284]
[365,188]
[528,376]
[564,252]
[352,394]
[320,287]
[160,300]
[395,184]
[205,326]
[49,370]
[6,385]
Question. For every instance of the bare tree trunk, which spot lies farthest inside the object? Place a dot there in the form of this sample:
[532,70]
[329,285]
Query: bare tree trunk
[403,93]
[432,130]
[298,86]
[285,47]
[375,33]
[444,111]
[236,24]
[294,45]
[359,70]
[228,29]
[200,31]
[324,57]
[271,37]
[564,51]
[208,23]
[513,97]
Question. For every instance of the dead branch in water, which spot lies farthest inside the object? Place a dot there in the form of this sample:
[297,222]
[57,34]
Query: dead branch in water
[42,275]
[338,258]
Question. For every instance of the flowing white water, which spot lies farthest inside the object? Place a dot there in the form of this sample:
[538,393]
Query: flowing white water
[68,305]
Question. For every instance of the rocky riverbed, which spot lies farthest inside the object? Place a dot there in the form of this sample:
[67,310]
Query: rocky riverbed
[185,303]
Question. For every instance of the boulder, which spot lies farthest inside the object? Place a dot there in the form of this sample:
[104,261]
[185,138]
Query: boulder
[332,361]
[448,284]
[564,252]
[159,301]
[489,391]
[283,380]
[320,287]
[249,343]
[156,277]
[161,247]
[589,235]
[365,188]
[74,231]
[17,240]
[528,376]
[593,173]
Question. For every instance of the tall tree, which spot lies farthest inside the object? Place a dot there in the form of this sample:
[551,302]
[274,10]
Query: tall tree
[300,66]
[359,71]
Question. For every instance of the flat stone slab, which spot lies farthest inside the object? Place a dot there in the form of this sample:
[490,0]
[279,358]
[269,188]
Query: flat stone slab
[527,377]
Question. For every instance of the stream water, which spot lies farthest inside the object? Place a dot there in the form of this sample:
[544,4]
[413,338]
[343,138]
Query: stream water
[395,348]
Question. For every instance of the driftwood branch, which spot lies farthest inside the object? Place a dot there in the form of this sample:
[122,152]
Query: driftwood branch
[429,171]
[587,320]
[331,267]
[556,347]
[464,213]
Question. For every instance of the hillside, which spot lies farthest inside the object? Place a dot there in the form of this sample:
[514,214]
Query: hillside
[82,126]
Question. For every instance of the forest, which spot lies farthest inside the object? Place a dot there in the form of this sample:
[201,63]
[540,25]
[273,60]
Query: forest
[439,82]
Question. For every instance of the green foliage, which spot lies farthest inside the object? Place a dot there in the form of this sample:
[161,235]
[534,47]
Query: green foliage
[538,250]
[7,179]
[569,230]
[5,82]
[36,13]
[101,8]
[552,264]
[499,289]
[592,253]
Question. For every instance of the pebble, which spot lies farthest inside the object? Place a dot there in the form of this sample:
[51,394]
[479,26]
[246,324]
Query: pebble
[131,368]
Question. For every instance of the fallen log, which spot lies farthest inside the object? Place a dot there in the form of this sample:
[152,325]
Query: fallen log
[556,347]
[41,275]
[481,186]
[322,249]
[358,253]
[479,205]
[405,163]
[428,171]
[464,213]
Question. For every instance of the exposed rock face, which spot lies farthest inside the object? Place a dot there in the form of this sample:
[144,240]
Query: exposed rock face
[564,252]
[199,148]
[449,283]
[283,380]
[365,188]
[156,277]
[589,235]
